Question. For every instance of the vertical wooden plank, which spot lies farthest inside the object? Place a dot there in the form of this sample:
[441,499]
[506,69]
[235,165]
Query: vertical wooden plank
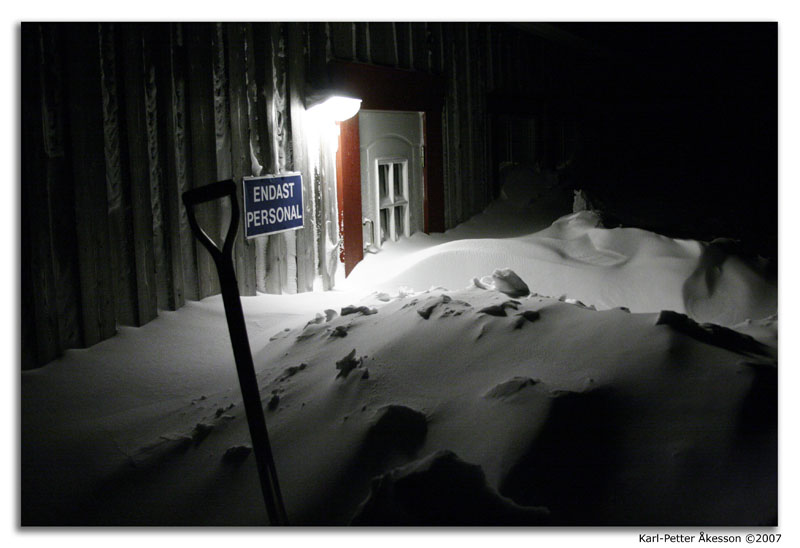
[455,123]
[480,129]
[161,38]
[181,146]
[402,32]
[117,179]
[155,157]
[478,126]
[28,349]
[419,47]
[491,160]
[259,63]
[362,32]
[259,94]
[222,125]
[319,209]
[281,252]
[318,47]
[275,259]
[498,64]
[468,152]
[305,237]
[343,41]
[139,168]
[82,61]
[40,329]
[64,251]
[201,128]
[438,48]
[329,241]
[32,152]
[382,44]
[244,250]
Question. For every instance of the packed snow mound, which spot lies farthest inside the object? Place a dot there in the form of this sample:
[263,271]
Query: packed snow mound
[606,268]
[512,371]
[458,407]
[441,490]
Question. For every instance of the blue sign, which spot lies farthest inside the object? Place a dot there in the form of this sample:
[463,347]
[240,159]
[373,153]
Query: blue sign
[273,203]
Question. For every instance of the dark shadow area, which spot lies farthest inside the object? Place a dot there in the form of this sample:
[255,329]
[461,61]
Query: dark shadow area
[441,490]
[679,128]
[570,466]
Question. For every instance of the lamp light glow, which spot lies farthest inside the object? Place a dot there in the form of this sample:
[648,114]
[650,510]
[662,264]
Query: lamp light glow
[337,108]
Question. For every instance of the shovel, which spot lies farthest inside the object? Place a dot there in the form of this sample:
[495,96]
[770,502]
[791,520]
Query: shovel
[223,259]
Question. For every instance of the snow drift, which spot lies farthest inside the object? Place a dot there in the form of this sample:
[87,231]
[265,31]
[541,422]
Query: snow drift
[575,375]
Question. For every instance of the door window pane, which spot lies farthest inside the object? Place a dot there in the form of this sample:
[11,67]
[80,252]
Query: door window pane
[384,224]
[399,218]
[383,181]
[398,181]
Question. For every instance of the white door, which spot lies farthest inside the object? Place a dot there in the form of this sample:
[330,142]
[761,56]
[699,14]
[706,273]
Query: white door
[391,174]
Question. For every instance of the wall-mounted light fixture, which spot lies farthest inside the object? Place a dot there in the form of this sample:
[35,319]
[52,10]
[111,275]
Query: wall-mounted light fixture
[332,105]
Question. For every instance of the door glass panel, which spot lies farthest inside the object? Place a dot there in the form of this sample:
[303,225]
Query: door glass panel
[383,182]
[399,218]
[384,224]
[398,181]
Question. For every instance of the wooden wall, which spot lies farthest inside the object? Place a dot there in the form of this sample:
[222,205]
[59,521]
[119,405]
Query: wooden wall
[119,119]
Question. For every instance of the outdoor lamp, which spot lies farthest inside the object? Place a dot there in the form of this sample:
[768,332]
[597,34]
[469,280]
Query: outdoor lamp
[332,105]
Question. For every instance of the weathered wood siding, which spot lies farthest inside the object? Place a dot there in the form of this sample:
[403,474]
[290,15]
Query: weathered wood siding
[119,119]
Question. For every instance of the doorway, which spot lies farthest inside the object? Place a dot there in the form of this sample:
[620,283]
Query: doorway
[392,182]
[420,97]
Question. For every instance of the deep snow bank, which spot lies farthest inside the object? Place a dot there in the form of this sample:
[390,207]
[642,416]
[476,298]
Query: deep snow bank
[499,397]
[607,268]
[540,410]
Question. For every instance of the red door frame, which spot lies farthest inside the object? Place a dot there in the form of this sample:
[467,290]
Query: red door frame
[382,88]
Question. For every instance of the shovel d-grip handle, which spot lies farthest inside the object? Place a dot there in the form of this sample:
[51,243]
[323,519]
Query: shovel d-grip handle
[214,191]
[223,259]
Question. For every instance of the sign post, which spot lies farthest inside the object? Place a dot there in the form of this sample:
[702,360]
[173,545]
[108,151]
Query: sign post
[223,259]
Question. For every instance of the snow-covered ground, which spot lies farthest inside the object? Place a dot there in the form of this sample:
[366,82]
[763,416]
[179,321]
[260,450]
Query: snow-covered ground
[513,370]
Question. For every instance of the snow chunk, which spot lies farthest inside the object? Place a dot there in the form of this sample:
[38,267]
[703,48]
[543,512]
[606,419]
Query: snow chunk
[396,428]
[506,281]
[426,309]
[510,387]
[576,302]
[441,490]
[711,334]
[581,202]
[526,316]
[347,364]
[318,318]
[330,314]
[201,432]
[291,371]
[363,310]
[236,454]
[499,309]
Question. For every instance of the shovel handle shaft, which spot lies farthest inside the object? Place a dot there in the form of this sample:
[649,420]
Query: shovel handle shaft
[223,259]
